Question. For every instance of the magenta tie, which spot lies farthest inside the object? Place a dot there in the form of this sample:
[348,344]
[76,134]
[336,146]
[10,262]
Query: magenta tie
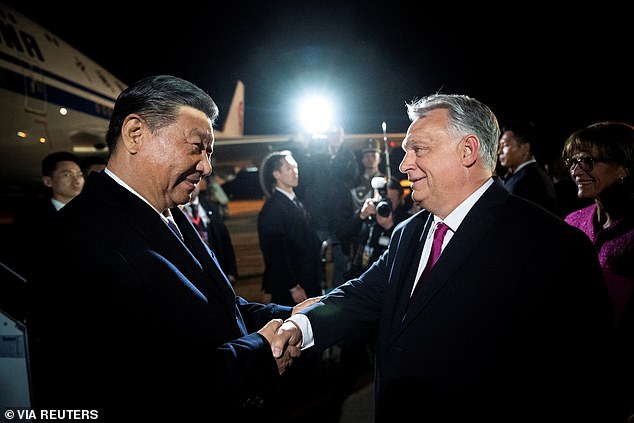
[436,248]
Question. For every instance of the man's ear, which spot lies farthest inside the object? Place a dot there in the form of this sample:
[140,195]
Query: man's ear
[470,150]
[47,181]
[133,131]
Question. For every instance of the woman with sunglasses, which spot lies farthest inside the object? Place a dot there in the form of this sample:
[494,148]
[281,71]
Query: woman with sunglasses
[600,159]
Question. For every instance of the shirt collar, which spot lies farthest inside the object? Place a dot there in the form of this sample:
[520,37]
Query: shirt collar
[455,218]
[126,186]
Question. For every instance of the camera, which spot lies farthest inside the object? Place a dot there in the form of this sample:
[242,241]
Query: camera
[383,205]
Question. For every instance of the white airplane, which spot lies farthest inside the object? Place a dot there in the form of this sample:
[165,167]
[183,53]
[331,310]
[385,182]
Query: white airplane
[54,98]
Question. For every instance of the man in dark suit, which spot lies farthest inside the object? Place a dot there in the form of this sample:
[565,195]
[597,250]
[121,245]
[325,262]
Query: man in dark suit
[62,180]
[290,246]
[132,315]
[525,177]
[511,324]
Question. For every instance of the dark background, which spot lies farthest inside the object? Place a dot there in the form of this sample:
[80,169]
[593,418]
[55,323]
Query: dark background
[562,68]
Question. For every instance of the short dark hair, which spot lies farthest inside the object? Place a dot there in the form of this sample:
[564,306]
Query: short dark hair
[525,131]
[157,100]
[49,163]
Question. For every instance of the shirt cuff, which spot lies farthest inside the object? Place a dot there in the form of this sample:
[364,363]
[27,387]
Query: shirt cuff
[307,331]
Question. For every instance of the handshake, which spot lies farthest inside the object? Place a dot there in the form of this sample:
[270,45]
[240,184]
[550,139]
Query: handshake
[285,338]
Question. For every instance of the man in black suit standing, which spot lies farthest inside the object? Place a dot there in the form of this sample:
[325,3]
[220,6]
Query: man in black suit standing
[290,246]
[132,315]
[512,323]
[62,180]
[525,175]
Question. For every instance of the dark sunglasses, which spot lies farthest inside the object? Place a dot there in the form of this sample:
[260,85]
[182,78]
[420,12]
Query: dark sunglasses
[585,163]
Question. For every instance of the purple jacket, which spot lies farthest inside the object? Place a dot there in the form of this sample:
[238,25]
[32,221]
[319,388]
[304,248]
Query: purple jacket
[615,247]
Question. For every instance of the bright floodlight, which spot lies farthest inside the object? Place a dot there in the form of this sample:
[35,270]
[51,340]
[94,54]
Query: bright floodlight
[315,114]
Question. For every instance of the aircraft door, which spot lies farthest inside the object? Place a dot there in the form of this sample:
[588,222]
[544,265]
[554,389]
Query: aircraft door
[35,95]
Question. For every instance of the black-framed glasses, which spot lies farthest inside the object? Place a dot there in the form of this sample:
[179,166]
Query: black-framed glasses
[585,163]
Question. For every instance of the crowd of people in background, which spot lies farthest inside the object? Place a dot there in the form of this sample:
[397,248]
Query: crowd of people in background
[327,203]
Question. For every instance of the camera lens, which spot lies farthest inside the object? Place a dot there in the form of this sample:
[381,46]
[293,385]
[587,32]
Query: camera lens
[384,208]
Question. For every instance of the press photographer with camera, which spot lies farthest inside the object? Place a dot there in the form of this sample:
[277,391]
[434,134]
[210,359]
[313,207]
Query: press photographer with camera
[380,214]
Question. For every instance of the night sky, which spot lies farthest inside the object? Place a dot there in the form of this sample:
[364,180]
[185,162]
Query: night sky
[562,69]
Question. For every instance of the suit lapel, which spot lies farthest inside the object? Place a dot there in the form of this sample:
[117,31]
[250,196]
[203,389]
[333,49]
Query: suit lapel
[201,271]
[410,265]
[472,231]
[206,261]
[288,205]
[403,270]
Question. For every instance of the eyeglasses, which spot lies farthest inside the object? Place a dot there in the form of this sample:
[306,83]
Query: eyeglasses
[585,163]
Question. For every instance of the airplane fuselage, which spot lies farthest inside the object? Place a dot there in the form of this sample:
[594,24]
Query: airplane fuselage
[53,98]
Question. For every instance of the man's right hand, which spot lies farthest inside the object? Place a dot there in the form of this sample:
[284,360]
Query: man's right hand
[368,209]
[270,329]
[287,339]
[285,359]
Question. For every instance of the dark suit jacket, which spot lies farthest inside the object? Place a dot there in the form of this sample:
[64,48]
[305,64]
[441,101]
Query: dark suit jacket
[219,239]
[127,318]
[533,183]
[290,248]
[513,315]
[32,226]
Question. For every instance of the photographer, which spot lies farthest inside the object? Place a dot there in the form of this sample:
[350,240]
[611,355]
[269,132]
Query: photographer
[380,214]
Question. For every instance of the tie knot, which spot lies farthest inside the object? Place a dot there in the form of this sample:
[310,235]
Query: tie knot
[436,247]
[441,230]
